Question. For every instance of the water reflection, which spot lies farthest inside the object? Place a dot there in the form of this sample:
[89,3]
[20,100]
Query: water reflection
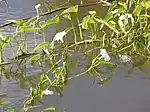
[123,90]
[27,75]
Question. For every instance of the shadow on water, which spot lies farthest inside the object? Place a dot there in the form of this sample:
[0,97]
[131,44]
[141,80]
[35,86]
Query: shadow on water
[119,87]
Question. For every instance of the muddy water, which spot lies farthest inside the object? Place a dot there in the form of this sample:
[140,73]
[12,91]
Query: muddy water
[123,93]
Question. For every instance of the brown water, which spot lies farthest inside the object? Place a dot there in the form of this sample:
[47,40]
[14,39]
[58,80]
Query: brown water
[123,93]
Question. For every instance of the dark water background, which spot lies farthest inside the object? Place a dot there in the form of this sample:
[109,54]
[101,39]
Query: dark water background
[123,93]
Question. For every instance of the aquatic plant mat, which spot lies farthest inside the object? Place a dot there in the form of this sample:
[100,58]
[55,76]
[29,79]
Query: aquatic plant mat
[90,45]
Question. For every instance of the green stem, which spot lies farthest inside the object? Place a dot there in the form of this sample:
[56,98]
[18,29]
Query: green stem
[74,32]
[80,30]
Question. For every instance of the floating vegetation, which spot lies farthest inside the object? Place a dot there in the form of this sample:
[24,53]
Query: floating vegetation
[124,32]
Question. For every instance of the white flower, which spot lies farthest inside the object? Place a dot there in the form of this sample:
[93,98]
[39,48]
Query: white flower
[115,11]
[104,54]
[123,21]
[125,17]
[122,17]
[37,9]
[48,92]
[37,6]
[92,12]
[130,17]
[105,3]
[81,2]
[59,36]
[124,58]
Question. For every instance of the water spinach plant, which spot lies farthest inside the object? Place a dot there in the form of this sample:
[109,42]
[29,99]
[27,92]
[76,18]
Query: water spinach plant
[123,33]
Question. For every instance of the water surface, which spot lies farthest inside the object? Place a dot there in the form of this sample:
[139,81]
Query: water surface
[124,92]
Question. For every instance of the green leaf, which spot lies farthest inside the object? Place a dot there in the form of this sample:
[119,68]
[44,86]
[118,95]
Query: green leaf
[53,20]
[50,109]
[3,95]
[6,41]
[147,35]
[105,62]
[1,35]
[67,15]
[52,45]
[10,110]
[17,21]
[146,4]
[41,78]
[85,22]
[137,10]
[140,42]
[120,11]
[27,28]
[35,57]
[4,102]
[89,19]
[107,24]
[113,6]
[41,45]
[71,9]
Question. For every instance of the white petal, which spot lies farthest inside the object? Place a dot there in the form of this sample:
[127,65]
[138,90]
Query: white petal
[131,17]
[81,2]
[37,6]
[125,17]
[122,17]
[115,11]
[104,54]
[124,58]
[48,92]
[59,36]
